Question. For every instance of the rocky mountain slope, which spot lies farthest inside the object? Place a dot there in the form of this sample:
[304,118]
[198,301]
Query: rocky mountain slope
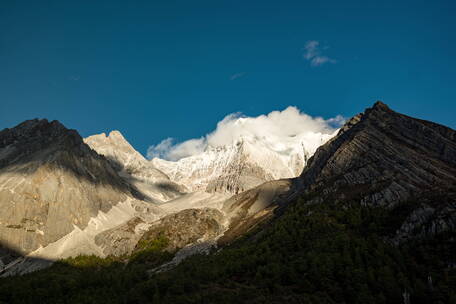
[51,181]
[67,196]
[98,195]
[379,158]
[240,166]
[134,168]
[53,186]
[383,158]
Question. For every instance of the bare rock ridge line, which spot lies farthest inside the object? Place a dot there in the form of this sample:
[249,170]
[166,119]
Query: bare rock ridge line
[411,155]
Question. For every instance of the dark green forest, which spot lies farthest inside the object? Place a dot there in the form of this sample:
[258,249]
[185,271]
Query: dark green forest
[323,253]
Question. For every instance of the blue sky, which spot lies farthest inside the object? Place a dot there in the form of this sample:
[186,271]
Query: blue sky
[158,69]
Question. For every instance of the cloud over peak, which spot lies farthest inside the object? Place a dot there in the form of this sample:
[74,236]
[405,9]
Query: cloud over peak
[274,129]
[313,54]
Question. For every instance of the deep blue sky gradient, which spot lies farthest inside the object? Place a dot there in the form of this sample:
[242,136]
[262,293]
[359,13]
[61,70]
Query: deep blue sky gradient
[157,69]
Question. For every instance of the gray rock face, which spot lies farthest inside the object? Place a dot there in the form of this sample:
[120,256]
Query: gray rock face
[122,240]
[186,227]
[182,228]
[51,182]
[383,158]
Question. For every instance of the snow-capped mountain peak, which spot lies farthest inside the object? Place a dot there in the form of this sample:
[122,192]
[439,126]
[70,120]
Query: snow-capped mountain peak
[245,163]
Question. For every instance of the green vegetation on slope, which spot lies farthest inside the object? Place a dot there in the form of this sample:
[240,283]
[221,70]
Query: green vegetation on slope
[323,253]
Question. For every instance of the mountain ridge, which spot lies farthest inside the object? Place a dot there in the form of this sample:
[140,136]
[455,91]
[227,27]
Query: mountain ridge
[383,158]
[371,219]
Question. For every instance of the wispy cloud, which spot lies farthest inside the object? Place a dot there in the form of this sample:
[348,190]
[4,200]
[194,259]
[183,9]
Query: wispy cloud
[313,53]
[237,75]
[74,77]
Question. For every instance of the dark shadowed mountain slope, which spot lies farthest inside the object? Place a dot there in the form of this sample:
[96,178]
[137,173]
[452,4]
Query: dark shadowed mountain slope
[383,158]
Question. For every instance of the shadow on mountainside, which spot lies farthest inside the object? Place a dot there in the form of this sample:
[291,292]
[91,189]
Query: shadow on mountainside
[164,186]
[12,262]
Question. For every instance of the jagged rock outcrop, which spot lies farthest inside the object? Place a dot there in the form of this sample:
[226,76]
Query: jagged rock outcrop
[134,168]
[383,158]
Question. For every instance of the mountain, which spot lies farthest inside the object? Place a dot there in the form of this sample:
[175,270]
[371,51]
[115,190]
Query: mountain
[53,186]
[50,180]
[140,194]
[381,158]
[134,168]
[371,219]
[242,165]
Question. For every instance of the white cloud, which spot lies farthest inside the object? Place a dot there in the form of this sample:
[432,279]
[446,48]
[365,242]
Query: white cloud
[314,54]
[276,129]
[237,75]
[161,149]
[337,121]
